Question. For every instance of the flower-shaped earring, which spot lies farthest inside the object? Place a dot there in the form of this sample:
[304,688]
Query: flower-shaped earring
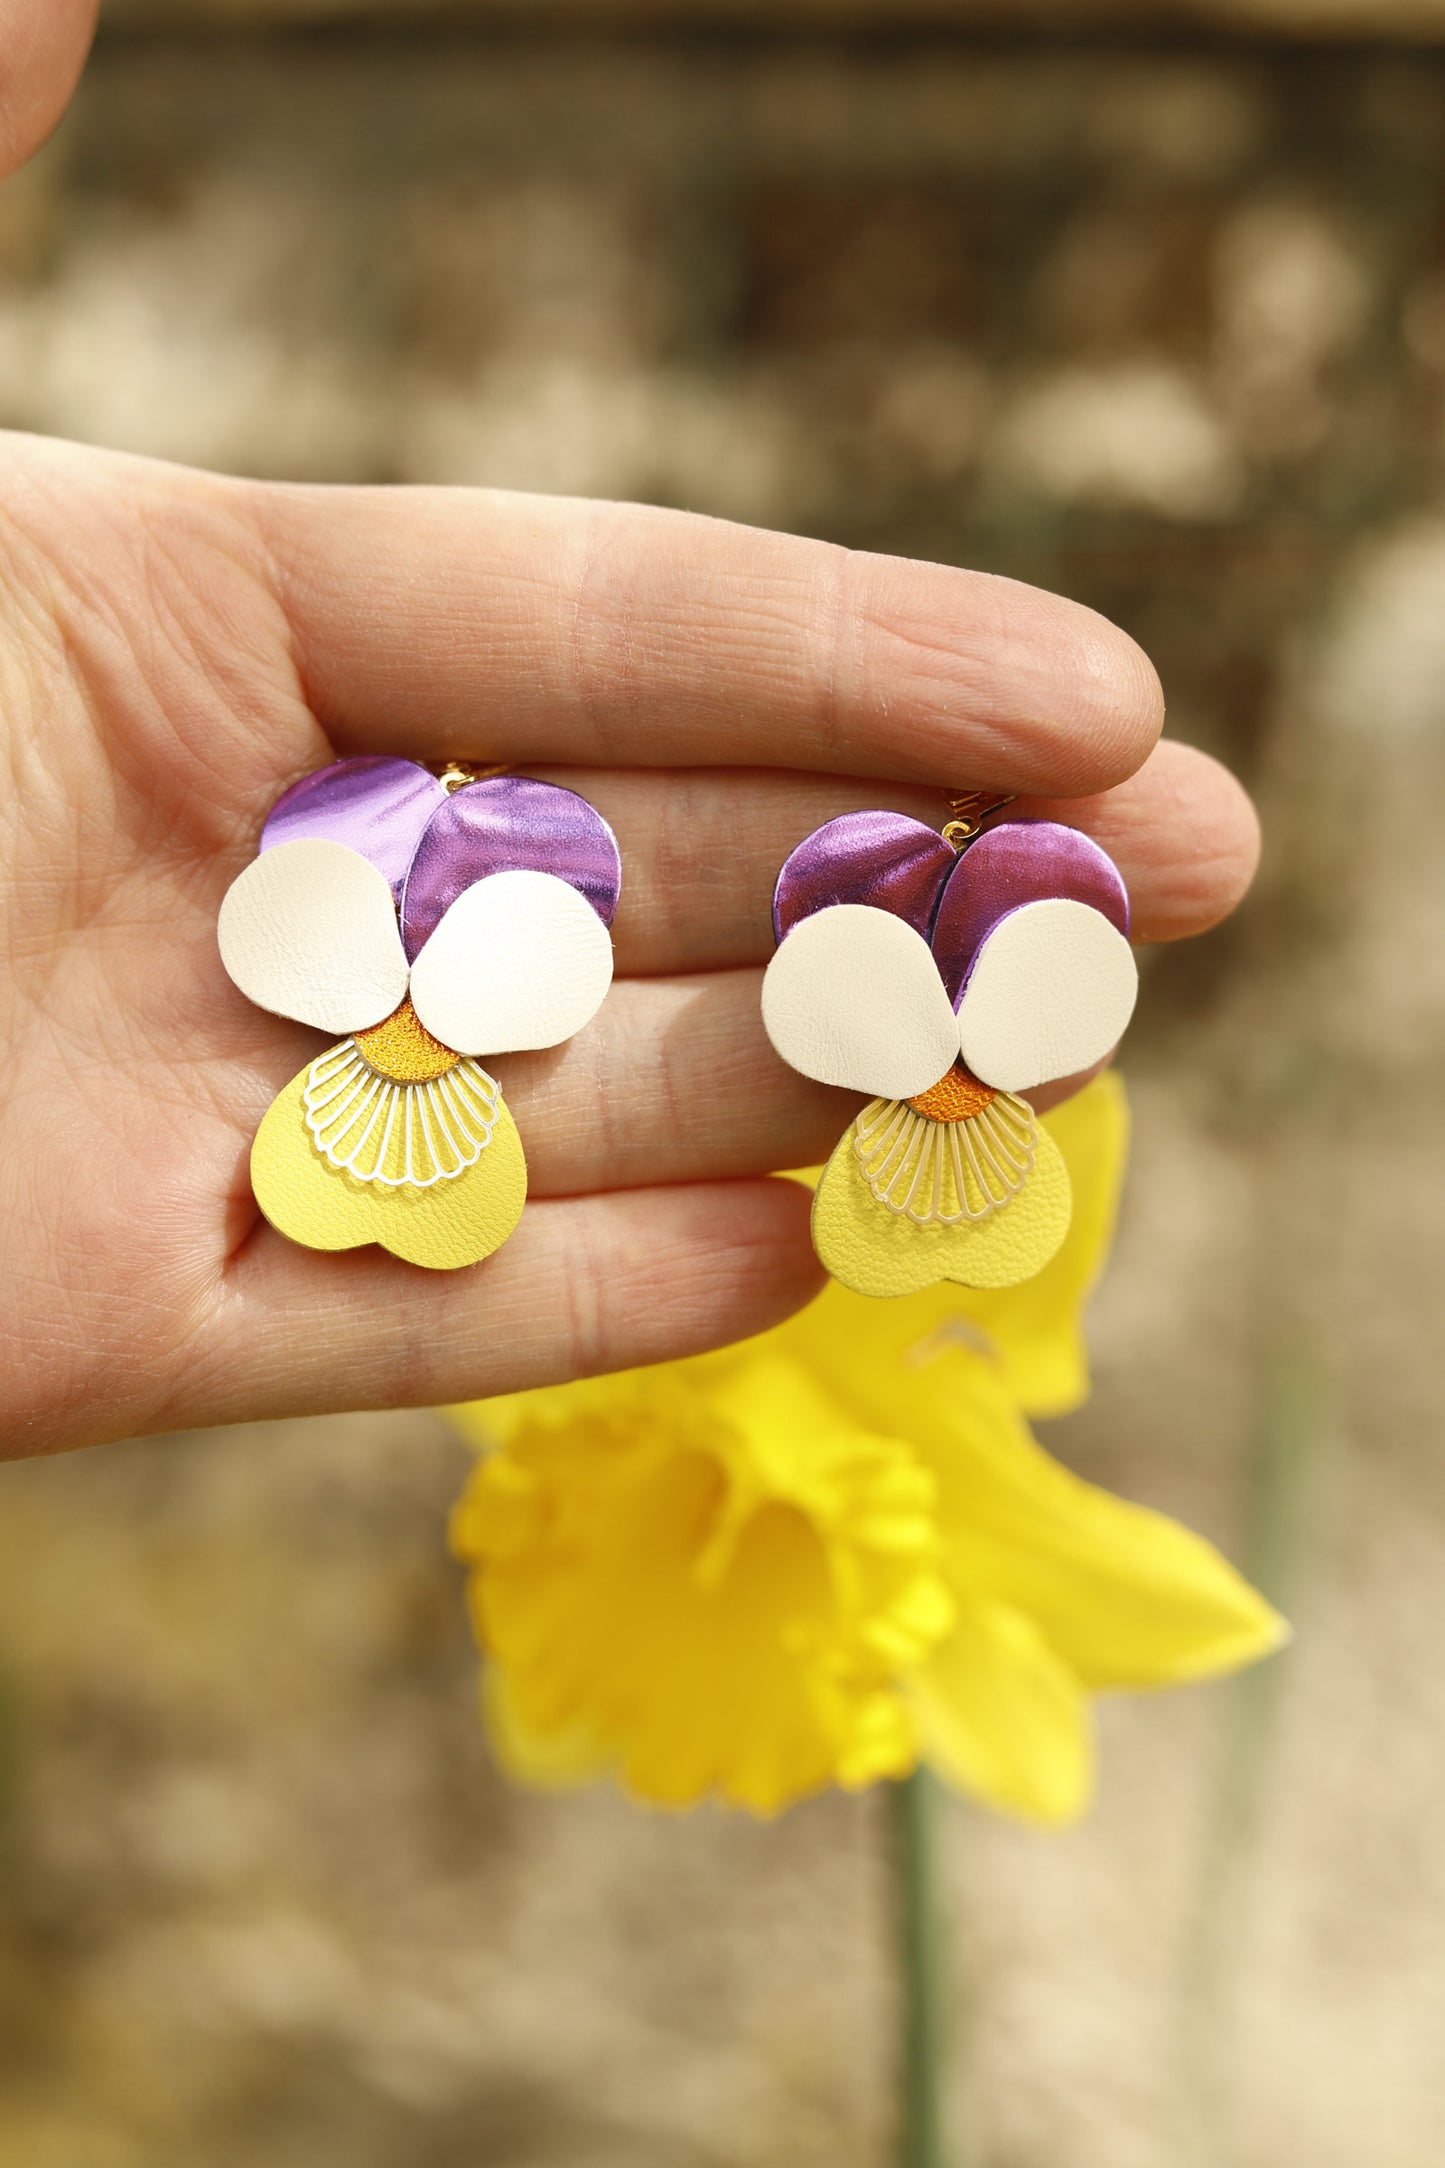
[431,919]
[945,973]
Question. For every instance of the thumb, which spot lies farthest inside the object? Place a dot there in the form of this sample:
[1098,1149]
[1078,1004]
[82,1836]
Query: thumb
[43,44]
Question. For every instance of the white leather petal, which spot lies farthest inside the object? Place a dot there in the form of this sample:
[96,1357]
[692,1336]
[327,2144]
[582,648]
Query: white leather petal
[1051,992]
[853,997]
[309,931]
[521,959]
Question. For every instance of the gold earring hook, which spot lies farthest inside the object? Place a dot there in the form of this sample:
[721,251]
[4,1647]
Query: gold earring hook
[455,775]
[970,809]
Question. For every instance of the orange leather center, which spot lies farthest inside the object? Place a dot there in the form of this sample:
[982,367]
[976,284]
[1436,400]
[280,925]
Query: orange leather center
[954,1097]
[401,1047]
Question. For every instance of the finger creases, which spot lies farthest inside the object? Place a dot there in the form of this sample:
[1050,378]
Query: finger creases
[701,848]
[674,1081]
[587,1285]
[435,621]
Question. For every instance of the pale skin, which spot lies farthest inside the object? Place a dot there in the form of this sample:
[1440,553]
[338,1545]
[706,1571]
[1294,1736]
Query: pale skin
[177,647]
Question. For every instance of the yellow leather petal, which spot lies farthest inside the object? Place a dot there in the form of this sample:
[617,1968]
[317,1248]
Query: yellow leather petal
[1033,1330]
[451,1224]
[1036,1330]
[877,1252]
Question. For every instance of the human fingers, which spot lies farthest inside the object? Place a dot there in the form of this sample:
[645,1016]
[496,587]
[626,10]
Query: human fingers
[43,44]
[676,1081]
[673,1081]
[701,848]
[1184,834]
[438,621]
[585,1285]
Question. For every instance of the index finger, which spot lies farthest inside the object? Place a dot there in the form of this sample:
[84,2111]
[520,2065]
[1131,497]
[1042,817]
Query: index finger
[520,628]
[43,44]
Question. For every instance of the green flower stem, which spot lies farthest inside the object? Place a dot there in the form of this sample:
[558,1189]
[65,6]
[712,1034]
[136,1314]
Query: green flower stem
[914,1805]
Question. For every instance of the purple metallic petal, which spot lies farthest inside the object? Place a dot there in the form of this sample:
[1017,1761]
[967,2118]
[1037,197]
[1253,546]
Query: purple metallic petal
[884,859]
[506,823]
[377,805]
[1020,862]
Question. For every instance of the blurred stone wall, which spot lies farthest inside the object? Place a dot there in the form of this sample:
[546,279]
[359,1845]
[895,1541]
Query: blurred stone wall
[1351,19]
[1164,329]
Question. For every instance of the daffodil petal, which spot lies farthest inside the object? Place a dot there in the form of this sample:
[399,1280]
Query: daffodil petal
[713,1570]
[1003,1719]
[1051,992]
[1126,1596]
[877,1252]
[453,1223]
[550,1760]
[802,1560]
[309,931]
[853,997]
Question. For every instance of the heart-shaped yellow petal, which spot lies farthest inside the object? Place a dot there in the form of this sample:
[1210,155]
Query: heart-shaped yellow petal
[878,1252]
[452,1223]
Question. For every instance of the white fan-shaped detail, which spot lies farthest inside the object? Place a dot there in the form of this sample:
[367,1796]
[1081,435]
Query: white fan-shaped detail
[521,959]
[853,997]
[405,1136]
[939,1173]
[1051,992]
[309,931]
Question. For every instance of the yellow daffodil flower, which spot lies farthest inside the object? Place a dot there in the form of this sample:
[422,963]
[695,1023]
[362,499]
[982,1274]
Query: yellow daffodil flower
[835,1550]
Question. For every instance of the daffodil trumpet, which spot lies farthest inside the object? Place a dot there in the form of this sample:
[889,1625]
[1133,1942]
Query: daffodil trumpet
[946,979]
[836,1552]
[431,920]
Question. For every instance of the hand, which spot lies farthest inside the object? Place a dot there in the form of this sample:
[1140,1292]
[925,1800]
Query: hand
[176,647]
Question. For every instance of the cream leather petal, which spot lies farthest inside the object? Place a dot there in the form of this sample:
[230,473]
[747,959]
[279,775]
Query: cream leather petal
[521,959]
[853,997]
[1051,992]
[309,931]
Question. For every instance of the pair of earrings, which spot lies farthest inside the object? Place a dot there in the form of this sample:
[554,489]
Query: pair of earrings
[433,919]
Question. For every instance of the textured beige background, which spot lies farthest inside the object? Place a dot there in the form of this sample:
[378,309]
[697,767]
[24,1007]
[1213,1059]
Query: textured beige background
[1163,328]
